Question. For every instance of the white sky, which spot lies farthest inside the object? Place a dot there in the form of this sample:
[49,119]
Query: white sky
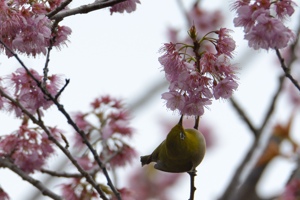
[118,54]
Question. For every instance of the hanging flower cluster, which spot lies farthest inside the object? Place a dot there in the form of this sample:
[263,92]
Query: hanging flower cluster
[197,75]
[262,21]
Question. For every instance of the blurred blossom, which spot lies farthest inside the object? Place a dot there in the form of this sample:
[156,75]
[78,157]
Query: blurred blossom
[292,190]
[205,20]
[28,148]
[107,126]
[149,183]
[3,195]
[128,6]
[263,22]
[78,189]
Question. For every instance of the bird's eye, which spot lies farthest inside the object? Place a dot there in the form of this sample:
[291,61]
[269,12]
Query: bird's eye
[182,136]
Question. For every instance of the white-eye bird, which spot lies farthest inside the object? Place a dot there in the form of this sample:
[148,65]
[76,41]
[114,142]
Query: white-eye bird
[182,150]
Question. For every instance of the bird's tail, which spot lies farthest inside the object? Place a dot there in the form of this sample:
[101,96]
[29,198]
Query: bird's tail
[145,160]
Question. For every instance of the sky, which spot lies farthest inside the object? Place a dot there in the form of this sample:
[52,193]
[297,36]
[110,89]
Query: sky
[118,54]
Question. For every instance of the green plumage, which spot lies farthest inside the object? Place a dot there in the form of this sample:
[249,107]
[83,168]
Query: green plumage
[182,151]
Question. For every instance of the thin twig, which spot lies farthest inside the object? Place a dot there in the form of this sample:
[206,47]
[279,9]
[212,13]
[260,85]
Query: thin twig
[61,174]
[62,89]
[245,118]
[5,162]
[272,104]
[287,70]
[192,184]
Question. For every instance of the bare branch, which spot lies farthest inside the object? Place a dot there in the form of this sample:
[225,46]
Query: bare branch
[287,70]
[246,119]
[61,174]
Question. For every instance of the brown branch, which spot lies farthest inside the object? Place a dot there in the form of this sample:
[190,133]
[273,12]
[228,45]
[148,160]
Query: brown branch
[5,162]
[62,89]
[287,70]
[245,118]
[61,174]
[97,5]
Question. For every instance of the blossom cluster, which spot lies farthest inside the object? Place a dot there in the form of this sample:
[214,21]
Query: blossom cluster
[27,147]
[27,92]
[107,127]
[196,79]
[262,21]
[25,28]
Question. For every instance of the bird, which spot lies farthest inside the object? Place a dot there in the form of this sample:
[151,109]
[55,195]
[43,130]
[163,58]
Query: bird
[182,150]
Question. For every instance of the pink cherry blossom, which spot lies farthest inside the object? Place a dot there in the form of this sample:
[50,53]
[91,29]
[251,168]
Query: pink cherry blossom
[27,148]
[192,83]
[225,88]
[269,33]
[26,90]
[225,44]
[28,27]
[285,8]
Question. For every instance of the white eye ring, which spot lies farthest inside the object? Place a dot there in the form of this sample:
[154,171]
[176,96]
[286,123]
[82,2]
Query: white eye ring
[182,136]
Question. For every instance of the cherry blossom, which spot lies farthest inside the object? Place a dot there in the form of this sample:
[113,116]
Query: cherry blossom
[196,79]
[25,28]
[28,93]
[28,148]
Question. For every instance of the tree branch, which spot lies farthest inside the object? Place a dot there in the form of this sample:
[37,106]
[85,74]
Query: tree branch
[246,119]
[287,70]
